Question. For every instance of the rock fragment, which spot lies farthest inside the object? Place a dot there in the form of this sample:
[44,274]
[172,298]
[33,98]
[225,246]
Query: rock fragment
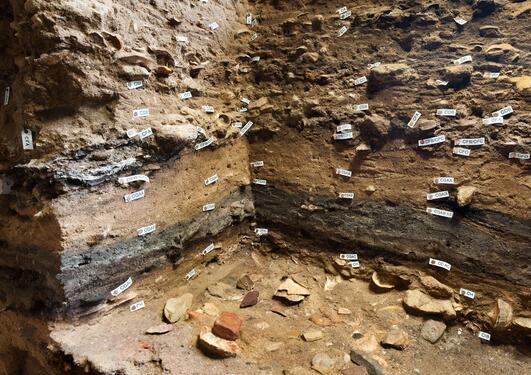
[245,282]
[432,330]
[387,75]
[421,303]
[323,364]
[465,195]
[354,370]
[250,299]
[215,346]
[435,288]
[363,359]
[298,371]
[458,76]
[382,282]
[489,31]
[290,291]
[502,315]
[523,323]
[227,326]
[396,338]
[159,329]
[175,308]
[312,335]
[317,22]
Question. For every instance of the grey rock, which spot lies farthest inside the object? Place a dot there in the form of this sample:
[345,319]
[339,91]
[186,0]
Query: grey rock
[432,330]
[458,76]
[489,31]
[396,338]
[362,359]
[387,75]
[323,364]
[421,303]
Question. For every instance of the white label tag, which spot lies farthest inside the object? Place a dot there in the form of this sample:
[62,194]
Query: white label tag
[343,172]
[143,112]
[439,212]
[342,31]
[146,230]
[213,26]
[211,180]
[518,155]
[346,195]
[254,37]
[460,21]
[237,125]
[437,195]
[361,107]
[245,101]
[243,109]
[255,59]
[463,60]
[492,120]
[461,151]
[7,94]
[345,15]
[432,141]
[257,164]
[185,95]
[355,264]
[414,119]
[441,83]
[342,10]
[491,75]
[440,263]
[137,306]
[467,293]
[343,136]
[27,139]
[208,109]
[246,127]
[208,249]
[258,181]
[134,196]
[201,130]
[134,85]
[444,180]
[374,65]
[503,112]
[343,127]
[182,39]
[131,133]
[484,335]
[348,256]
[190,275]
[446,112]
[249,19]
[470,141]
[136,177]
[261,231]
[360,81]
[204,144]
[209,207]
[122,288]
[145,133]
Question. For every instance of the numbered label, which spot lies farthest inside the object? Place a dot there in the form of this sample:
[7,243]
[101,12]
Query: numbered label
[209,207]
[355,264]
[143,112]
[342,10]
[467,293]
[134,196]
[432,141]
[345,15]
[518,155]
[122,288]
[182,39]
[503,112]
[137,306]
[440,264]
[208,109]
[213,26]
[361,107]
[484,335]
[444,180]
[185,95]
[7,94]
[342,31]
[249,19]
[360,81]
[461,151]
[204,144]
[257,164]
[470,141]
[190,275]
[446,112]
[136,177]
[463,60]
[245,101]
[343,172]
[211,180]
[439,212]
[27,139]
[261,231]
[460,21]
[208,249]
[145,133]
[134,85]
[343,136]
[246,128]
[346,195]
[437,195]
[492,120]
[348,256]
[237,124]
[414,119]
[491,75]
[343,127]
[258,181]
[374,65]
[146,230]
[131,133]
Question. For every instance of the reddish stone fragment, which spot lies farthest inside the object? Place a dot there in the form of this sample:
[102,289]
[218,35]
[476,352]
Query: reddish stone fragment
[250,299]
[227,326]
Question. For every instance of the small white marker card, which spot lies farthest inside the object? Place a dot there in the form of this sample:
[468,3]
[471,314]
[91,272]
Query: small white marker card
[243,109]
[460,21]
[463,60]
[254,37]
[122,288]
[439,212]
[503,112]
[256,164]
[237,124]
[131,133]
[360,81]
[444,180]
[146,230]
[432,140]
[145,133]
[414,119]
[134,85]
[245,101]
[190,275]
[441,83]
[255,59]
[446,112]
[346,195]
[249,19]
[491,75]
[484,335]
[209,207]
[208,109]
[261,231]
[374,65]
[440,264]
[467,293]
[204,144]
[27,139]
[343,136]
[343,172]
[258,181]
[437,195]
[7,93]
[342,10]
[137,306]
[208,249]
[134,196]
[345,15]
[343,127]
[342,31]
[246,127]
[211,180]
[518,155]
[182,38]
[348,256]
[185,95]
[492,120]
[143,112]
[361,107]
[355,264]
[136,177]
[470,141]
[213,26]
[461,151]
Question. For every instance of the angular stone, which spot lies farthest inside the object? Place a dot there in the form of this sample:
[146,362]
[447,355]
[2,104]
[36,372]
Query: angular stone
[355,370]
[396,338]
[245,282]
[382,281]
[312,335]
[323,364]
[432,42]
[432,330]
[159,329]
[213,345]
[210,309]
[489,31]
[503,314]
[273,346]
[458,76]
[421,303]
[317,22]
[292,288]
[387,75]
[343,311]
[250,299]
[362,359]
[375,126]
[523,323]
[219,290]
[435,288]
[464,195]
[227,326]
[134,72]
[503,53]
[310,57]
[175,308]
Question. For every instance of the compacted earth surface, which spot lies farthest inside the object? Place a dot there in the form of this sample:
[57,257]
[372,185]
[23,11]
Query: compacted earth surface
[265,187]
